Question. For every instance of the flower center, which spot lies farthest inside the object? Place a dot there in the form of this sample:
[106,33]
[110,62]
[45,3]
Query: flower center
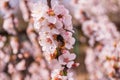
[60,16]
[51,26]
[66,60]
[51,12]
[49,40]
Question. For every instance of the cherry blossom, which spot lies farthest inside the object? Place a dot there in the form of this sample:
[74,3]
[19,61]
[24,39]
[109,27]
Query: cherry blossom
[67,59]
[55,22]
[55,31]
[102,56]
[10,21]
[2,41]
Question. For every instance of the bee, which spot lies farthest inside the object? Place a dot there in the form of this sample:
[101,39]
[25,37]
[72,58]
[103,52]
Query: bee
[60,41]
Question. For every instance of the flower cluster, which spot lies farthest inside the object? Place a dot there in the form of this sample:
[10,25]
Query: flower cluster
[102,59]
[10,21]
[53,23]
[100,31]
[55,28]
[21,60]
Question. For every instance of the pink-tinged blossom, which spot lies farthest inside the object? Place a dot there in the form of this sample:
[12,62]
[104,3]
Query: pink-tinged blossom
[57,74]
[56,64]
[100,31]
[69,40]
[14,44]
[3,60]
[38,72]
[54,25]
[2,41]
[17,76]
[49,23]
[102,59]
[9,26]
[21,65]
[67,59]
[4,76]
[10,23]
[25,8]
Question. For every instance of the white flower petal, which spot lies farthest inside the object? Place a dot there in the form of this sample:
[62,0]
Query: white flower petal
[69,64]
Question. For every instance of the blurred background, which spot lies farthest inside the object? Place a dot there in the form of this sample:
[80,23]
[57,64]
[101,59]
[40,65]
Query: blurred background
[81,43]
